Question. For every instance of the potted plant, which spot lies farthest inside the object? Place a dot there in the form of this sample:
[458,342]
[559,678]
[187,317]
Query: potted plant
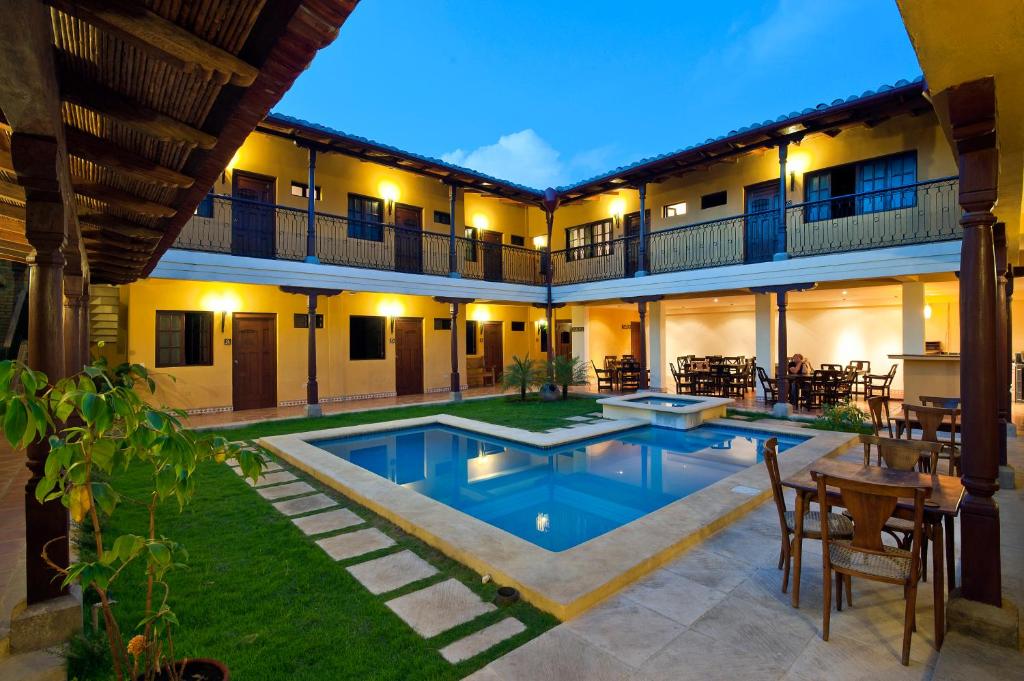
[522,373]
[566,371]
[99,425]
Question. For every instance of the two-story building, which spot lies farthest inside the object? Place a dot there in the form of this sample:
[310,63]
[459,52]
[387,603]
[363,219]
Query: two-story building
[849,207]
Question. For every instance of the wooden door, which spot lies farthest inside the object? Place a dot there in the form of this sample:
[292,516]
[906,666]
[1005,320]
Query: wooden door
[254,355]
[408,239]
[631,226]
[408,356]
[563,338]
[634,340]
[490,243]
[762,222]
[253,219]
[494,357]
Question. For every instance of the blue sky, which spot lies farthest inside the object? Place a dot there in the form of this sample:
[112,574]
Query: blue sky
[549,92]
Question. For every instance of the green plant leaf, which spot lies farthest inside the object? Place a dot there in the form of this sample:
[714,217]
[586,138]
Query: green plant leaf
[15,422]
[105,497]
[160,553]
[89,405]
[103,453]
[44,487]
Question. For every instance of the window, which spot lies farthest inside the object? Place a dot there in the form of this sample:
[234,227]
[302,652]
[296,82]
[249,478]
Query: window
[300,189]
[589,240]
[442,324]
[673,210]
[471,337]
[365,337]
[544,339]
[712,200]
[471,243]
[365,218]
[301,321]
[859,188]
[205,207]
[184,339]
[518,326]
[442,218]
[517,240]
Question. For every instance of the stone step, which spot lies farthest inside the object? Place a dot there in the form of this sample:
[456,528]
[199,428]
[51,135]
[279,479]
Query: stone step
[301,505]
[38,665]
[391,572]
[290,489]
[352,544]
[329,521]
[274,478]
[479,641]
[438,608]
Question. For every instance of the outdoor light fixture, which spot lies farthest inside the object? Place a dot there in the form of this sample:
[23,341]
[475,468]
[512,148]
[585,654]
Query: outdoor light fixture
[618,209]
[927,311]
[480,221]
[540,241]
[388,192]
[390,309]
[798,162]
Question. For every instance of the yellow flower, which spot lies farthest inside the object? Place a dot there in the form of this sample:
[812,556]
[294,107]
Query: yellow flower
[137,645]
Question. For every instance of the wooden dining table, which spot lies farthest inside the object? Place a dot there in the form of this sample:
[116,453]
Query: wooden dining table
[940,509]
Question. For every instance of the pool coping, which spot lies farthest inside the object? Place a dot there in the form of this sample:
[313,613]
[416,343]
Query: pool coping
[569,582]
[698,402]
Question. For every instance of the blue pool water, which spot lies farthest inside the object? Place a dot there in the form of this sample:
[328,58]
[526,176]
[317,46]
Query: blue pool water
[562,496]
[665,401]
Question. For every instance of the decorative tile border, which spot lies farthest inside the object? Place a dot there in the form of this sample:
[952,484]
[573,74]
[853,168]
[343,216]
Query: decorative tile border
[568,582]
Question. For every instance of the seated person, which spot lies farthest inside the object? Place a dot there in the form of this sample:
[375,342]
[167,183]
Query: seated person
[798,365]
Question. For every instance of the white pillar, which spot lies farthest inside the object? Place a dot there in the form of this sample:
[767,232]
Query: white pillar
[580,315]
[765,348]
[656,359]
[913,318]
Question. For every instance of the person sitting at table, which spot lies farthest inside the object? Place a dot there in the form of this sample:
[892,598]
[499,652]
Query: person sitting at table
[798,366]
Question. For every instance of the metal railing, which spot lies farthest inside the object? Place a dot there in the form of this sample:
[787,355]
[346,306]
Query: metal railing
[919,213]
[227,224]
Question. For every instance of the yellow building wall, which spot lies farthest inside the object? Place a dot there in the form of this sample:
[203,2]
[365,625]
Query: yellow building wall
[607,335]
[710,333]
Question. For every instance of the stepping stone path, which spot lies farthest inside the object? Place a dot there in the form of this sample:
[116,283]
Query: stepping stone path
[438,608]
[391,572]
[331,521]
[429,611]
[352,544]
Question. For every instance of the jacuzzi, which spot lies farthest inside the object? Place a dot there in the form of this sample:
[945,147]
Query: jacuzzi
[681,412]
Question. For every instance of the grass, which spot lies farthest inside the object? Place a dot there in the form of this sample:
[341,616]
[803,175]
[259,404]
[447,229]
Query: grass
[262,597]
[533,414]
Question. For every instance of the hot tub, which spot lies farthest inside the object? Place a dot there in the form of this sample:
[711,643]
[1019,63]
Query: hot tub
[681,412]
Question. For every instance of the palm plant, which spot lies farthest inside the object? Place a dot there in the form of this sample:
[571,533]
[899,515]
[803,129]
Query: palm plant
[566,371]
[523,373]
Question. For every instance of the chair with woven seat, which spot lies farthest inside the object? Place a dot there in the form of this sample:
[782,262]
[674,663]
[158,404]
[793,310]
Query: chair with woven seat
[878,407]
[930,419]
[604,378]
[871,504]
[839,525]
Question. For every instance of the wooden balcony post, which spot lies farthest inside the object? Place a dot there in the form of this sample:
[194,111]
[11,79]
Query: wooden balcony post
[782,368]
[780,248]
[311,256]
[1003,342]
[642,309]
[84,323]
[453,202]
[312,295]
[74,286]
[453,312]
[641,265]
[550,204]
[972,118]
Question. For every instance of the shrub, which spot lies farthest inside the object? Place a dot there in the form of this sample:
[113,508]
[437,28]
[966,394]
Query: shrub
[523,373]
[844,418]
[568,371]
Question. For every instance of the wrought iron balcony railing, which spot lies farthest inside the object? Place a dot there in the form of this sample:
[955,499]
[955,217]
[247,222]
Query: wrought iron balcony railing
[226,224]
[913,214]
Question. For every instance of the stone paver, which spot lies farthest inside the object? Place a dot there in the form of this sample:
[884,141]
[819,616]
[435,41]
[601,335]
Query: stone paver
[627,630]
[330,521]
[352,544]
[391,572]
[478,642]
[438,608]
[560,655]
[305,504]
[679,598]
[274,478]
[291,489]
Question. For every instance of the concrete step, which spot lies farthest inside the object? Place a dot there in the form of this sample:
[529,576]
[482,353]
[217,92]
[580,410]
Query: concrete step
[38,665]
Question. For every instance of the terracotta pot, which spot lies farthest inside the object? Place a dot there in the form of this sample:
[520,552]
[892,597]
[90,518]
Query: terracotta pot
[199,669]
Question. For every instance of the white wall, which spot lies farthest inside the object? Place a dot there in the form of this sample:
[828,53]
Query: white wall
[711,333]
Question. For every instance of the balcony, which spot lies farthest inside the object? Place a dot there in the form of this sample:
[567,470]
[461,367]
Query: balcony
[231,225]
[915,214]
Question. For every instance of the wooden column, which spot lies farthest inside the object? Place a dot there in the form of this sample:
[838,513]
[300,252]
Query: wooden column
[311,217]
[641,266]
[453,312]
[453,259]
[780,248]
[312,295]
[550,204]
[642,309]
[84,324]
[1004,366]
[74,286]
[972,119]
[781,343]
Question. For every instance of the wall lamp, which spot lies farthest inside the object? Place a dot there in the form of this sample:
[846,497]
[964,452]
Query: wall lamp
[618,209]
[391,310]
[798,162]
[223,318]
[389,192]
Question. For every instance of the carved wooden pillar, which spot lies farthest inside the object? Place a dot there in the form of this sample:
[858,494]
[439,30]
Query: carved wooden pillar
[312,386]
[972,118]
[642,359]
[456,386]
[74,285]
[46,525]
[550,204]
[311,212]
[85,330]
[453,203]
[1003,343]
[782,368]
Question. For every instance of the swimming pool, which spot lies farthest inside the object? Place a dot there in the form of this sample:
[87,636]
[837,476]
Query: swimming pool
[559,497]
[666,401]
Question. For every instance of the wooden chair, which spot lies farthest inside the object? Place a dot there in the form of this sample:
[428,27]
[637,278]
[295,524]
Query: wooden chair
[930,419]
[871,504]
[880,384]
[477,374]
[943,402]
[604,378]
[902,455]
[770,386]
[629,378]
[831,367]
[876,405]
[862,367]
[838,524]
[684,383]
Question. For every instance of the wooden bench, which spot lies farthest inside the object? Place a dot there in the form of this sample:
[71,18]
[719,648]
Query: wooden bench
[478,376]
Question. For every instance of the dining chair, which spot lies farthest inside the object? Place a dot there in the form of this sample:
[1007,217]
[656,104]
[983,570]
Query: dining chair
[831,367]
[769,385]
[880,384]
[930,420]
[629,378]
[838,524]
[943,402]
[683,379]
[876,406]
[604,378]
[862,367]
[865,556]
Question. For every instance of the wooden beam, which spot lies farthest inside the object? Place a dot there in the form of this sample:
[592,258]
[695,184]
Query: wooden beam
[161,38]
[104,101]
[12,191]
[116,225]
[121,199]
[28,81]
[103,153]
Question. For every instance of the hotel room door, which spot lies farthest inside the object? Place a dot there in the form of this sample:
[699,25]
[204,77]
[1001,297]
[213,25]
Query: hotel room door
[253,221]
[254,365]
[494,353]
[762,222]
[408,356]
[490,243]
[408,239]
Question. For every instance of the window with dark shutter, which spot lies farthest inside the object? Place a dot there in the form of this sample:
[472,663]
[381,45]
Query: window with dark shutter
[365,218]
[365,337]
[184,339]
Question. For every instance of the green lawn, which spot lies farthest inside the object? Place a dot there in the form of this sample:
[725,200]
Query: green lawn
[533,414]
[262,597]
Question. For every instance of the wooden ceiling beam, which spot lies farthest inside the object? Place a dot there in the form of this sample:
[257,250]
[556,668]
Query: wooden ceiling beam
[116,225]
[121,199]
[161,38]
[110,104]
[103,153]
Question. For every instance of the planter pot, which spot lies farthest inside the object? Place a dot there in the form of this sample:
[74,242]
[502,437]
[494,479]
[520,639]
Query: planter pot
[549,392]
[507,595]
[198,669]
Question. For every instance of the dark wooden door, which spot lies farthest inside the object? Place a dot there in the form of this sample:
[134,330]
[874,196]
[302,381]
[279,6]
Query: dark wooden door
[490,243]
[634,339]
[631,227]
[408,239]
[762,222]
[408,356]
[494,357]
[563,338]
[253,220]
[254,354]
